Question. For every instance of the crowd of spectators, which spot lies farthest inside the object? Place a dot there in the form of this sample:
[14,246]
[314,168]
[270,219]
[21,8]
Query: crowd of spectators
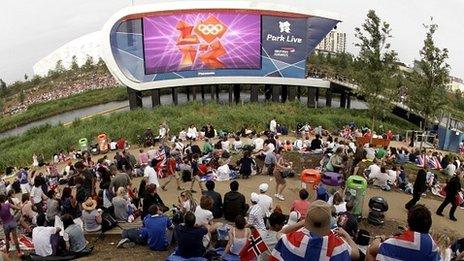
[58,208]
[61,89]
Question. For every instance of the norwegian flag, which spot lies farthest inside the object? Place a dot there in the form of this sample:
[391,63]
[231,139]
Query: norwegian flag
[409,246]
[302,246]
[254,247]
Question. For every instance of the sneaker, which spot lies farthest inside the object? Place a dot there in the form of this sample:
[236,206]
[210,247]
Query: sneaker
[453,218]
[281,197]
[440,214]
[276,195]
[128,245]
[122,242]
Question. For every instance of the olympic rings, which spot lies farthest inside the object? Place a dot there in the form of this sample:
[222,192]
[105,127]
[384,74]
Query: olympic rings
[210,29]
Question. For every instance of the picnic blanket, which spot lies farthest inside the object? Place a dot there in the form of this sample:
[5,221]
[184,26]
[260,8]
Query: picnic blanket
[25,244]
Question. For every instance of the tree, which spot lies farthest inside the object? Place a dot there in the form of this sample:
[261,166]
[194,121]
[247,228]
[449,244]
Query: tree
[26,77]
[1,106]
[74,65]
[427,84]
[377,74]
[21,97]
[88,63]
[3,88]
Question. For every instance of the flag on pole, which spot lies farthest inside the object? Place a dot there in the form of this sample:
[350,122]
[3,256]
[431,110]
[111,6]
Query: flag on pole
[254,246]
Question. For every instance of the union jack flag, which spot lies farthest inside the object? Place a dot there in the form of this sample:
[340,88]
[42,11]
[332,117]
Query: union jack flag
[303,246]
[254,246]
[408,246]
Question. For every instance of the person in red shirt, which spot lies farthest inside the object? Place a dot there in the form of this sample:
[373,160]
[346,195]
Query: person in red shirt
[171,172]
[389,135]
[302,204]
[121,143]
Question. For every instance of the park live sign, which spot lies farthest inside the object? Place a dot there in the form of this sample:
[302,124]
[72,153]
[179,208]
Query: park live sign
[285,28]
[284,39]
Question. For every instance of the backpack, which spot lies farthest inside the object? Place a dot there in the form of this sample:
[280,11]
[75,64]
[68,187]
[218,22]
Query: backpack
[108,222]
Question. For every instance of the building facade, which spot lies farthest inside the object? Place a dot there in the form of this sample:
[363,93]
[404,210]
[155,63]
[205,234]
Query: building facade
[334,42]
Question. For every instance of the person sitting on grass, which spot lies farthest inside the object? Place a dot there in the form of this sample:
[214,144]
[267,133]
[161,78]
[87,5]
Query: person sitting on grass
[156,232]
[186,202]
[246,164]
[257,214]
[315,238]
[301,205]
[124,210]
[91,217]
[152,198]
[217,199]
[190,238]
[397,248]
[75,242]
[43,237]
[234,203]
[238,237]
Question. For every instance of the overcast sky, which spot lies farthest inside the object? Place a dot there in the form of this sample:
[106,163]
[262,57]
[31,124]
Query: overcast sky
[31,29]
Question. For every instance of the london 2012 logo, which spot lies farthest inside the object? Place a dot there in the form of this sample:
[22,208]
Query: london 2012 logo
[285,27]
[286,35]
[203,38]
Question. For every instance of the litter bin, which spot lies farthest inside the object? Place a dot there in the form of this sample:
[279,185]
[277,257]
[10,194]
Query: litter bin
[102,140]
[331,181]
[355,191]
[83,144]
[310,178]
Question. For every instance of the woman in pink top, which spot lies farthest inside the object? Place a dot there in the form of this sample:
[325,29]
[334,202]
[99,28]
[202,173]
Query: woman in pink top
[143,158]
[301,205]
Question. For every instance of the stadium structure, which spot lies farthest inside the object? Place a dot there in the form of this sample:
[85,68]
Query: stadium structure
[173,44]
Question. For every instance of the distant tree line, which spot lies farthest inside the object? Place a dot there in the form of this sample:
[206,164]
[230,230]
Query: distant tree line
[376,72]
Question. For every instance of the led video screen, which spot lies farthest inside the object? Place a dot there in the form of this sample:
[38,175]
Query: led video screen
[201,41]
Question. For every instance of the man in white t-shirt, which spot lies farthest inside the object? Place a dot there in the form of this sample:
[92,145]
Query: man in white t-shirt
[259,143]
[380,179]
[264,201]
[41,236]
[203,217]
[270,148]
[273,125]
[373,169]
[149,174]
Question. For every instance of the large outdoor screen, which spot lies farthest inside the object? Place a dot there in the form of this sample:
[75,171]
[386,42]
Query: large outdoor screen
[201,41]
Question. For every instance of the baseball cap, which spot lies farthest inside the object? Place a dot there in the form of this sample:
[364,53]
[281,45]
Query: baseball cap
[318,218]
[254,197]
[263,187]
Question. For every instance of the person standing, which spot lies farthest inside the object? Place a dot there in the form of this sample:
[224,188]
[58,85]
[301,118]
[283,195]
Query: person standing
[419,188]
[278,173]
[9,223]
[273,125]
[452,188]
[172,172]
[150,175]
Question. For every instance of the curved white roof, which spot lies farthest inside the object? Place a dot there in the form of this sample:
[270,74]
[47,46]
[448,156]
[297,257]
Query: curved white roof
[85,46]
[289,7]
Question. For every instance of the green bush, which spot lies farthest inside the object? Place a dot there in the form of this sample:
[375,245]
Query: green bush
[48,139]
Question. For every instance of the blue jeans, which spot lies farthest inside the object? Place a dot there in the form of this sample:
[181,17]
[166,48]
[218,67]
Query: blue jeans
[134,235]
